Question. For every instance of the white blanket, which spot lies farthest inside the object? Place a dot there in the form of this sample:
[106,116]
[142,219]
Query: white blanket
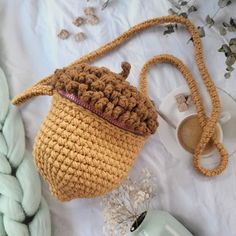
[30,50]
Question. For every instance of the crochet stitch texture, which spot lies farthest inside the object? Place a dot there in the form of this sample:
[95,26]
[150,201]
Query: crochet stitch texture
[85,147]
[110,94]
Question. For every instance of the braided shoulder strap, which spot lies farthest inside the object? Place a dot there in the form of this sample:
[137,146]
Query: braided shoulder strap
[23,210]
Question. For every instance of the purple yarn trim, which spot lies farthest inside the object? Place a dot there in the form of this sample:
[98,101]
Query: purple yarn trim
[72,97]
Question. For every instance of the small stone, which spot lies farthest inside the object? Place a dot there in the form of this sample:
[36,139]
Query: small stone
[89,11]
[93,20]
[190,100]
[78,21]
[64,34]
[182,107]
[180,98]
[79,37]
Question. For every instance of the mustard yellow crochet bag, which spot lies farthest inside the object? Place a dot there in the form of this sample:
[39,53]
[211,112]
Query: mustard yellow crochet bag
[98,122]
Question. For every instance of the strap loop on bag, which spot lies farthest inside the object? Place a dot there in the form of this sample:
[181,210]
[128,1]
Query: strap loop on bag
[43,87]
[203,120]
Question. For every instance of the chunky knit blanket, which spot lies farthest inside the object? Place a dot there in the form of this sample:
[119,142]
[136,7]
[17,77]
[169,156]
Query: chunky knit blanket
[23,210]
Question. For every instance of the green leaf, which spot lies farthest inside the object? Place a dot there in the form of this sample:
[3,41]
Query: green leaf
[224,48]
[183,14]
[201,31]
[224,3]
[222,30]
[230,68]
[192,9]
[232,41]
[225,24]
[230,60]
[169,30]
[209,21]
[172,12]
[183,3]
[227,75]
[170,27]
[233,48]
[232,22]
[232,29]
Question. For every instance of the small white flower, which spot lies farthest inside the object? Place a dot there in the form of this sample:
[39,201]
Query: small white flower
[123,205]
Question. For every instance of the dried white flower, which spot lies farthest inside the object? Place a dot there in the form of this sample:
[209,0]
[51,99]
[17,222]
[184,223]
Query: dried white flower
[124,204]
[63,34]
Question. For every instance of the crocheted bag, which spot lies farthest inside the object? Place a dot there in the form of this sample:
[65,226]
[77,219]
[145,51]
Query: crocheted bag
[98,122]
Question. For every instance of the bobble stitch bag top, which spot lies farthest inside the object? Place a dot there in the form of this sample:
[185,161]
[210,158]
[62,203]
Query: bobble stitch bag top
[98,122]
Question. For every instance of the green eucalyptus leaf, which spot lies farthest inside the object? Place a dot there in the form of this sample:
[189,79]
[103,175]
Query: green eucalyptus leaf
[183,14]
[170,27]
[172,12]
[227,75]
[224,3]
[222,31]
[230,68]
[192,9]
[232,29]
[233,48]
[232,41]
[232,22]
[224,48]
[201,31]
[230,60]
[225,24]
[209,21]
[169,30]
[183,3]
[228,2]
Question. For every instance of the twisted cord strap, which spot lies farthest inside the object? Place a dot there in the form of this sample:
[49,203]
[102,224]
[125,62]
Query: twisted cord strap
[203,120]
[23,210]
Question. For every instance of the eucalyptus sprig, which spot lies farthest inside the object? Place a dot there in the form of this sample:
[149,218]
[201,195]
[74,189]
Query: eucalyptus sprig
[180,8]
[230,54]
[228,48]
[228,27]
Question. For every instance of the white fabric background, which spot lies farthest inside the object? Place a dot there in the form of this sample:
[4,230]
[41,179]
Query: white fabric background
[30,50]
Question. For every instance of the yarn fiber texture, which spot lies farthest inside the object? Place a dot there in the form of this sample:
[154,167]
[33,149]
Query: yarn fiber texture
[110,94]
[81,154]
[23,210]
[85,147]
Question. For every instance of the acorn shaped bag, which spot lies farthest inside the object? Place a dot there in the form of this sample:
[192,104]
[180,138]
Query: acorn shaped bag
[98,122]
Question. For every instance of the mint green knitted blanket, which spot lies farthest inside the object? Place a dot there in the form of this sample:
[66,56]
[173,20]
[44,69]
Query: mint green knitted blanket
[23,210]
